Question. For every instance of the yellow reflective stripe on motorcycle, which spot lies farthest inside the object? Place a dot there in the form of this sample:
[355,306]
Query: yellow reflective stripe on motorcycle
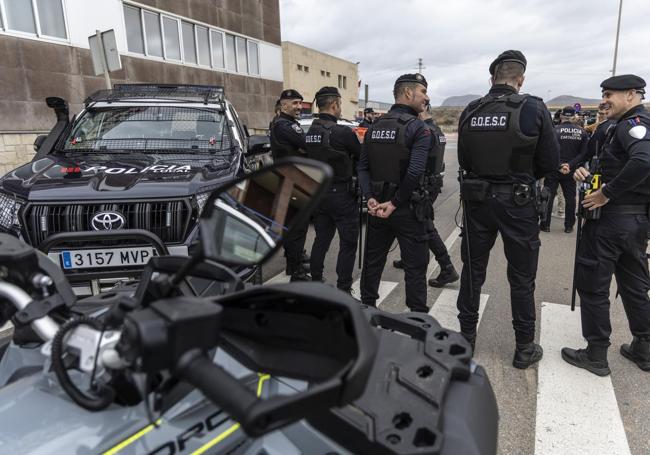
[260,386]
[132,438]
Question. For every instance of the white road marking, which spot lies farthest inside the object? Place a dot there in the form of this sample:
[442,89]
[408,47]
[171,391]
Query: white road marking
[445,312]
[577,412]
[278,279]
[385,288]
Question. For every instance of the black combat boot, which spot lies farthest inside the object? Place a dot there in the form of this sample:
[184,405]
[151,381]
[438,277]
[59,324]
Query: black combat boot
[593,358]
[300,273]
[638,352]
[527,354]
[398,264]
[351,292]
[447,275]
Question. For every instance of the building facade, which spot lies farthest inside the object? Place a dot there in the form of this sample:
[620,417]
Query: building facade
[307,70]
[44,51]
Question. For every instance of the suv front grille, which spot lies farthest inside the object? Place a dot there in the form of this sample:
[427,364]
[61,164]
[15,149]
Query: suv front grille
[170,220]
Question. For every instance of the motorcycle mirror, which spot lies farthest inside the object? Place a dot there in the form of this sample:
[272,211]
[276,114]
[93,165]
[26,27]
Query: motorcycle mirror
[244,222]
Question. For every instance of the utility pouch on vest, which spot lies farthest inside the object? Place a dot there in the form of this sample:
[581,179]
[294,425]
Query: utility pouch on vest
[474,190]
[422,205]
[521,194]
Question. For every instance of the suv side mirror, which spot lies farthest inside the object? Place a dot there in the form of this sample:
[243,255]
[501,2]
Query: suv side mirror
[39,141]
[258,144]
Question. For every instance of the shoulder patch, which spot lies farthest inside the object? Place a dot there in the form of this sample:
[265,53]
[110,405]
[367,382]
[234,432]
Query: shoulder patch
[638,132]
[297,129]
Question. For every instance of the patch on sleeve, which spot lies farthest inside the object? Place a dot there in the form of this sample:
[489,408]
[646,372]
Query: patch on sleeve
[442,138]
[495,121]
[638,132]
[297,129]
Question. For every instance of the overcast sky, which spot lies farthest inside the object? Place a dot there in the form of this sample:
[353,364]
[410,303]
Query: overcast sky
[569,44]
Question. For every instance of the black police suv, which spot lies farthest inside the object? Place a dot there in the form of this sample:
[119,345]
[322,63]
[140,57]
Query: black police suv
[126,178]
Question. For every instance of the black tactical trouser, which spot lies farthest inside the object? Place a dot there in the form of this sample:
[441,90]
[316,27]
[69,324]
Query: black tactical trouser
[294,244]
[613,245]
[518,226]
[438,248]
[338,212]
[552,181]
[412,237]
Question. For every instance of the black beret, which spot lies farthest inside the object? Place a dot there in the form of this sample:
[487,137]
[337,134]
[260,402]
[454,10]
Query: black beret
[290,94]
[368,110]
[411,78]
[623,82]
[508,56]
[328,91]
[568,111]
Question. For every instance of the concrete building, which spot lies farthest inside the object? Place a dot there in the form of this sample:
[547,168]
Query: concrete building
[379,107]
[44,51]
[307,70]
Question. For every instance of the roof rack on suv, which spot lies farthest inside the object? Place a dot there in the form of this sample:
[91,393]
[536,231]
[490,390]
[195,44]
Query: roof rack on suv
[164,92]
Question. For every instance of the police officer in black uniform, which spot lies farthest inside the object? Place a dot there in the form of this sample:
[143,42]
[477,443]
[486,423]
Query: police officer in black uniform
[288,139]
[393,161]
[573,153]
[506,141]
[368,117]
[616,242]
[433,182]
[339,147]
[598,136]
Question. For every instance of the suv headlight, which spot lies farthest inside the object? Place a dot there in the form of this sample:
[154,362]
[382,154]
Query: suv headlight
[201,199]
[9,207]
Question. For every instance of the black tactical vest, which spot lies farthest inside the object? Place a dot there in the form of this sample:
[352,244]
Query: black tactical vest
[385,143]
[613,154]
[436,156]
[280,149]
[319,148]
[493,142]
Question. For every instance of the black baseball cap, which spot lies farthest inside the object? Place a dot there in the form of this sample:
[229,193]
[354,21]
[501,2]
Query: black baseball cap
[624,82]
[568,111]
[508,56]
[328,91]
[290,94]
[368,110]
[411,78]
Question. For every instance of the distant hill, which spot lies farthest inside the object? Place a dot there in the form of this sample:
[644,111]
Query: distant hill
[459,101]
[568,100]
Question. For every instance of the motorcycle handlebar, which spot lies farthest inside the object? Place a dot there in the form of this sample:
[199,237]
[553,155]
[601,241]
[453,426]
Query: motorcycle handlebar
[44,327]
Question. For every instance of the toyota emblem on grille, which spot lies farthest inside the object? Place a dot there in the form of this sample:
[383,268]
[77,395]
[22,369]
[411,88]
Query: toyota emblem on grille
[105,221]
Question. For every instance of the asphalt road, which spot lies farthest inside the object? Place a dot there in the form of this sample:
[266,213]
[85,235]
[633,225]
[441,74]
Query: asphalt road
[551,408]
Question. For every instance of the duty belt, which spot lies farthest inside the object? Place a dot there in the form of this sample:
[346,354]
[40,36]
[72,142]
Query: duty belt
[626,209]
[501,187]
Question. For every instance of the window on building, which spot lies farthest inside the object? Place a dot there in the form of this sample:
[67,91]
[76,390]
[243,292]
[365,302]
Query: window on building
[322,73]
[189,43]
[253,58]
[134,36]
[172,39]
[20,16]
[203,41]
[231,54]
[242,58]
[328,74]
[216,40]
[340,81]
[306,69]
[152,34]
[166,35]
[299,67]
[345,82]
[50,17]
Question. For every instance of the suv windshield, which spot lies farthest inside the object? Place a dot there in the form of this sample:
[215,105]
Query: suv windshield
[156,128]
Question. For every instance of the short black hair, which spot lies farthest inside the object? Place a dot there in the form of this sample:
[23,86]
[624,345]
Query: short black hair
[324,102]
[508,71]
[400,89]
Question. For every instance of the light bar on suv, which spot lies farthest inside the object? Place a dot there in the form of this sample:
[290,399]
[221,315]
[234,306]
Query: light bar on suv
[165,92]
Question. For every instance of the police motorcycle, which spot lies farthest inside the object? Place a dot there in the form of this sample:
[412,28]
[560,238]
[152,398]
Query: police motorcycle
[285,369]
